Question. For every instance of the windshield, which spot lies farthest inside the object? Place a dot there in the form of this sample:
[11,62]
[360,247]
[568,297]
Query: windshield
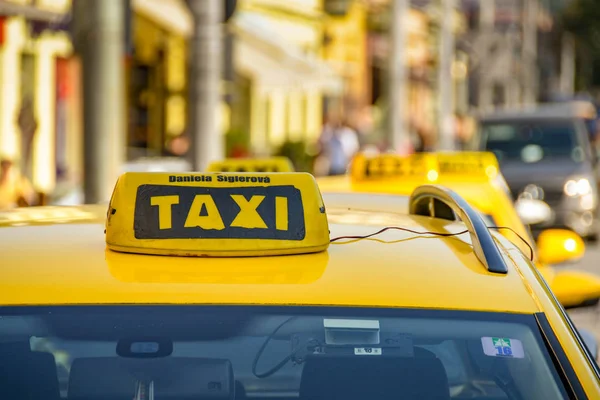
[179,352]
[533,141]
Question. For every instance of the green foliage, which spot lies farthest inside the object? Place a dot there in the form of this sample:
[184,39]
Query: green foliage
[299,153]
[581,18]
[237,143]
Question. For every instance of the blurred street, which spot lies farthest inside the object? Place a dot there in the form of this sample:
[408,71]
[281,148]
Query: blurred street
[313,80]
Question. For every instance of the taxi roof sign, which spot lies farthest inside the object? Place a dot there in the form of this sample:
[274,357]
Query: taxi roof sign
[217,214]
[427,167]
[271,164]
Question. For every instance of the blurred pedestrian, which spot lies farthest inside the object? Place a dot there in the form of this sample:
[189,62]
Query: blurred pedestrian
[421,136]
[178,146]
[338,143]
[350,140]
[464,131]
[15,189]
[363,124]
[28,125]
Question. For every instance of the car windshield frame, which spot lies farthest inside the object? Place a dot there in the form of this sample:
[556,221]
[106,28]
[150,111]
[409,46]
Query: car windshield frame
[555,358]
[575,126]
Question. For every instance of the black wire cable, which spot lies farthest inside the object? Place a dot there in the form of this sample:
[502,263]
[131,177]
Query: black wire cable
[398,228]
[280,365]
[529,246]
[264,346]
[531,253]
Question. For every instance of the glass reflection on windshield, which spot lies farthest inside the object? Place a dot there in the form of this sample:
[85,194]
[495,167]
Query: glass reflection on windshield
[533,141]
[272,352]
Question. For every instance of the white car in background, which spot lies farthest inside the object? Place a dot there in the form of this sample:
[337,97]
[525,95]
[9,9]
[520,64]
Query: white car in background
[75,196]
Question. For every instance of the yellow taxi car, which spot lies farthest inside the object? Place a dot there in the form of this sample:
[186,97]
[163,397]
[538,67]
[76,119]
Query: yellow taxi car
[248,164]
[475,176]
[250,286]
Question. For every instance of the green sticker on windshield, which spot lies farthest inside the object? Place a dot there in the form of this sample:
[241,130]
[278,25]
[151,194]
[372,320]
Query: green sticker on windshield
[502,347]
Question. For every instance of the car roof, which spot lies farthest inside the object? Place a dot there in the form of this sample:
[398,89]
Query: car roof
[66,262]
[551,111]
[394,195]
[487,197]
[383,202]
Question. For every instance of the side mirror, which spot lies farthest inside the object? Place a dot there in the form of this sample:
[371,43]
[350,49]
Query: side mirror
[572,288]
[533,211]
[556,246]
[590,342]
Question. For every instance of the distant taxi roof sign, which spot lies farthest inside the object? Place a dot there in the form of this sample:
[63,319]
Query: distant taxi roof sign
[271,164]
[217,214]
[428,167]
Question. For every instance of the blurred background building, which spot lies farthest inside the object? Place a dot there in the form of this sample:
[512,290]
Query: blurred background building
[288,68]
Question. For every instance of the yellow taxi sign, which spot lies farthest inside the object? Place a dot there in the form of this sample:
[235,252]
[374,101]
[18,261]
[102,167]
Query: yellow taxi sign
[217,214]
[425,166]
[271,164]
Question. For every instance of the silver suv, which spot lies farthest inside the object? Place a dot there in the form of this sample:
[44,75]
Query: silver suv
[545,154]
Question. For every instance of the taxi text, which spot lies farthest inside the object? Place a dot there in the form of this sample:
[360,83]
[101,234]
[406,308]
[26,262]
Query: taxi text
[393,167]
[261,212]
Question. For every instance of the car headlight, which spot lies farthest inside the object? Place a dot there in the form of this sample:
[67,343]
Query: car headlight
[533,211]
[578,187]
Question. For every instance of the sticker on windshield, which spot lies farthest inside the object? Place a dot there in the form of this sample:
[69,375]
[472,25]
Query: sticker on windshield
[502,347]
[367,351]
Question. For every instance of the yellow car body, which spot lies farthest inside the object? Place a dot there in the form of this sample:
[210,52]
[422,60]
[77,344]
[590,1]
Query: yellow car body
[475,176]
[68,293]
[269,164]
